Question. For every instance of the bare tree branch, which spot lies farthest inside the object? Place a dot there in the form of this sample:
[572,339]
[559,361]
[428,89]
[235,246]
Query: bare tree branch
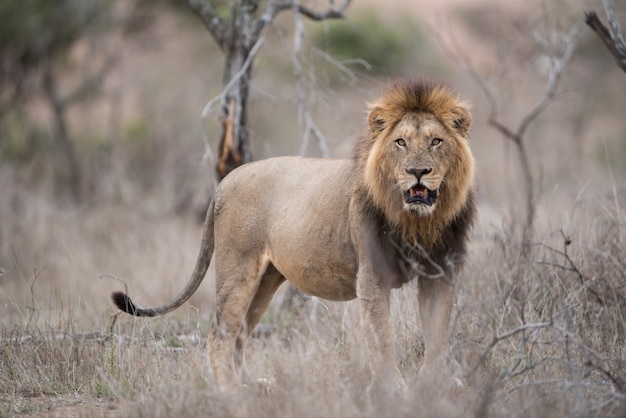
[234,80]
[274,9]
[614,25]
[214,23]
[559,60]
[558,65]
[498,338]
[304,116]
[240,37]
[584,281]
[342,66]
[613,39]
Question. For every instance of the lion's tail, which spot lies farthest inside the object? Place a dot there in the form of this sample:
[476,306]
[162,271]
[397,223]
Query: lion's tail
[124,302]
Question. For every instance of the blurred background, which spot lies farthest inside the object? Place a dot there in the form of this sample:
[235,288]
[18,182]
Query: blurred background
[107,158]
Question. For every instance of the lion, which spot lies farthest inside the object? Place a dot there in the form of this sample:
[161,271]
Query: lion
[339,229]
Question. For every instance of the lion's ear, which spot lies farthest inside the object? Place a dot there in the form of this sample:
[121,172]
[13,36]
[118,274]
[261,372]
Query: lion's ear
[375,120]
[462,119]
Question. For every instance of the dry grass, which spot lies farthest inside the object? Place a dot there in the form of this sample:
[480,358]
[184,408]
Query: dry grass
[537,336]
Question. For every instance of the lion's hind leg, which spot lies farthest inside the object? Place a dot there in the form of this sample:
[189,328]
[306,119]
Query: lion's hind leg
[237,281]
[270,282]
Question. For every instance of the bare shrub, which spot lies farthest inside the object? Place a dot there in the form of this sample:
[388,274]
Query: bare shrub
[563,344]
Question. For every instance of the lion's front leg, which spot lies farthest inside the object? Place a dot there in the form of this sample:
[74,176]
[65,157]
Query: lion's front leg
[436,299]
[374,303]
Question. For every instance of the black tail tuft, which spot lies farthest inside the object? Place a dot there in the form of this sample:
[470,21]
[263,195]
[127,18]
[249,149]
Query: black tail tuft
[124,303]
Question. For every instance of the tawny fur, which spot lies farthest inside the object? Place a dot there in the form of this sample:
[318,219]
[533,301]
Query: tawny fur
[344,229]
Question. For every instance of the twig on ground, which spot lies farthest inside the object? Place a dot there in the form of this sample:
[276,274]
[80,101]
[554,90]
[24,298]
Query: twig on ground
[116,314]
[32,308]
[571,266]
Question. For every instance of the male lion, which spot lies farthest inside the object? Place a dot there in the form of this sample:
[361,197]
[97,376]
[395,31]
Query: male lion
[345,229]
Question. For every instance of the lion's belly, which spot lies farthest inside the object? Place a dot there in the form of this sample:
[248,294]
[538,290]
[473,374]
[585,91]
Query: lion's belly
[337,283]
[318,258]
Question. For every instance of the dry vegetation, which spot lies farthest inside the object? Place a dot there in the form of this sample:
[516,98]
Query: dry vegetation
[539,326]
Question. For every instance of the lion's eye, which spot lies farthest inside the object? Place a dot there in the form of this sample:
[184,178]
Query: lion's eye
[435,142]
[401,142]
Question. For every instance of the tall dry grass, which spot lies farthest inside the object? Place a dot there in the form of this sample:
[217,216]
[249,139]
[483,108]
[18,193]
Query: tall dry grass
[536,335]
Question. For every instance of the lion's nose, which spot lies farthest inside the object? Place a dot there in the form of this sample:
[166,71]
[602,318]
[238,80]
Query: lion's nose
[419,172]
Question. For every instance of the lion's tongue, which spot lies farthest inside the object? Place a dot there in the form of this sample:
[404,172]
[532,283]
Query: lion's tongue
[419,191]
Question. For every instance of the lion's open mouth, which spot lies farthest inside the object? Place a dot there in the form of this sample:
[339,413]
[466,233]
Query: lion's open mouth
[420,194]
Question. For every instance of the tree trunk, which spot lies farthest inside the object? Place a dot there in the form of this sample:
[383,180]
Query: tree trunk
[238,36]
[68,163]
[234,148]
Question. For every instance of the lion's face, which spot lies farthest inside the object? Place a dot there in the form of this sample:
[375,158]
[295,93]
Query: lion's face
[419,150]
[415,160]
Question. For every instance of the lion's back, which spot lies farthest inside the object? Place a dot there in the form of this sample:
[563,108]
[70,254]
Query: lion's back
[296,211]
[284,181]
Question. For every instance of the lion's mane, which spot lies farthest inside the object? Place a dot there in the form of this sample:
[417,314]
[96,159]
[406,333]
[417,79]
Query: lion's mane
[456,204]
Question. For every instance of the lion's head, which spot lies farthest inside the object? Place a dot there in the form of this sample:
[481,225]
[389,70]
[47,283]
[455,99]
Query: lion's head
[414,160]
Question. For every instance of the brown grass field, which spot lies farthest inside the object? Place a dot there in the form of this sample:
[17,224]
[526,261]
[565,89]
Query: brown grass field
[539,327]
